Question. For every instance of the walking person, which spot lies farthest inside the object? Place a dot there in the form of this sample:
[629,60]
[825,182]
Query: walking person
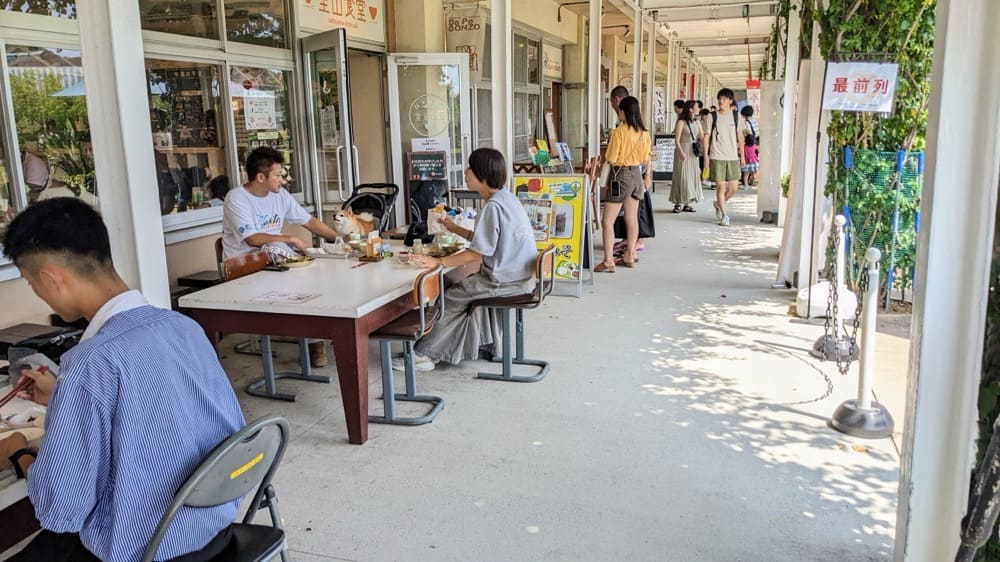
[628,148]
[725,153]
[685,187]
[750,154]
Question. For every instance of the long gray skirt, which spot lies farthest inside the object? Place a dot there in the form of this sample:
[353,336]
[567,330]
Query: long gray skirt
[459,334]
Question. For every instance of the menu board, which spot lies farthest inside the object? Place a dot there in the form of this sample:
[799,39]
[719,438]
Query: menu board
[663,164]
[557,208]
[426,165]
[193,120]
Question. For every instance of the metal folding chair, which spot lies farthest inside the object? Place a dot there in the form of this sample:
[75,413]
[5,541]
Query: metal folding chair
[245,461]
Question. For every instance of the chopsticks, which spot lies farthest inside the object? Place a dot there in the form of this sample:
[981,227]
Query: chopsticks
[23,384]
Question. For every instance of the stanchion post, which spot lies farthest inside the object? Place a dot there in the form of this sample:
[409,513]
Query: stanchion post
[864,417]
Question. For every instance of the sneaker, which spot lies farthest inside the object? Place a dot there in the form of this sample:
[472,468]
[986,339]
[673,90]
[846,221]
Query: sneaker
[420,363]
[718,211]
[724,221]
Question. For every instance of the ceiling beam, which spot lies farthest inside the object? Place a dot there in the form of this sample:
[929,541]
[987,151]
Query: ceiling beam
[714,12]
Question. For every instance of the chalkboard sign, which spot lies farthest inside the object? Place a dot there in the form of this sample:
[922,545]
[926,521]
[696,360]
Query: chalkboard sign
[663,165]
[426,166]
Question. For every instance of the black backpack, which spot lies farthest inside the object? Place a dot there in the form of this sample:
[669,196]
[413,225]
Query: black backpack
[751,140]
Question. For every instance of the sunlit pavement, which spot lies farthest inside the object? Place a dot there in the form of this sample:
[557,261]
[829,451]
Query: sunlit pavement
[683,420]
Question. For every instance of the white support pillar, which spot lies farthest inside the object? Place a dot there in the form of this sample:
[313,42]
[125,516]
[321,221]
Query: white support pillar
[113,63]
[812,190]
[953,264]
[791,78]
[594,97]
[669,86]
[502,94]
[650,72]
[679,48]
[636,89]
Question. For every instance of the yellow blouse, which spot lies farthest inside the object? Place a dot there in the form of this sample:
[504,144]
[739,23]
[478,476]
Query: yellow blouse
[628,147]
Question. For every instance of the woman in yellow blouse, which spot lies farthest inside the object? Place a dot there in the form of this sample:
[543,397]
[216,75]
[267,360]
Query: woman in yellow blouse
[628,148]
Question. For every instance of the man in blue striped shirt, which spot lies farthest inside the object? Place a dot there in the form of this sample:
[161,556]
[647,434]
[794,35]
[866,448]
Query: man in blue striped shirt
[137,405]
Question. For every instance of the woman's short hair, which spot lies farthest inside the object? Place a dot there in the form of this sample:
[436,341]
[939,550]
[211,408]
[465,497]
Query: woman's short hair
[489,167]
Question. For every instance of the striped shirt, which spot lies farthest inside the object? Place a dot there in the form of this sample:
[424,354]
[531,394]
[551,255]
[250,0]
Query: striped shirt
[136,408]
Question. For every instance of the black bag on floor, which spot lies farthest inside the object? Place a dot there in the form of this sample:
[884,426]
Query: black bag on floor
[646,227]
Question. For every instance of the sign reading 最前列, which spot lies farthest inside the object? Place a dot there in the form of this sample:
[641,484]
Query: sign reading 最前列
[860,86]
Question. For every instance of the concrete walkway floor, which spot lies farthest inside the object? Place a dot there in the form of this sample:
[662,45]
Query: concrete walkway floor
[683,420]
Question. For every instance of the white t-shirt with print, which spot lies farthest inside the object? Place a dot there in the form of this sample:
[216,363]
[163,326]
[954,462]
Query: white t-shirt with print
[244,214]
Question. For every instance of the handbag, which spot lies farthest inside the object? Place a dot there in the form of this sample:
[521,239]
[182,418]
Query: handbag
[695,144]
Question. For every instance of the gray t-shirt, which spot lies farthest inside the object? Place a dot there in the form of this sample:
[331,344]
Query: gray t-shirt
[723,140]
[504,237]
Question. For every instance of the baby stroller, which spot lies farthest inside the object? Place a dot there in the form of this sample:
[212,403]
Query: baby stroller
[375,198]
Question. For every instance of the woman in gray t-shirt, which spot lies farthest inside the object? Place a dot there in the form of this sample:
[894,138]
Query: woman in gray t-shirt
[505,242]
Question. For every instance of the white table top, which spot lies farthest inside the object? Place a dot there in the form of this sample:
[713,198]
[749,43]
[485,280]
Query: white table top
[344,290]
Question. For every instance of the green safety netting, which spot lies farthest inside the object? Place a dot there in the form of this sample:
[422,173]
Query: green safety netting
[867,187]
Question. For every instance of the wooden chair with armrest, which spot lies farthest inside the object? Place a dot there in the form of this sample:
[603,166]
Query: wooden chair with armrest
[428,300]
[266,387]
[545,277]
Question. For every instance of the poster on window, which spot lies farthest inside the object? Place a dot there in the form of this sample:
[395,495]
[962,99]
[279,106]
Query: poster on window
[753,96]
[860,86]
[659,106]
[259,112]
[363,19]
[329,127]
[465,32]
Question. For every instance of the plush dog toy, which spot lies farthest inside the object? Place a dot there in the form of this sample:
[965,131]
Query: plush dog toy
[346,222]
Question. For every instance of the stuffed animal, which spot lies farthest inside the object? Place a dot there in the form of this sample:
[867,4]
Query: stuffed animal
[346,222]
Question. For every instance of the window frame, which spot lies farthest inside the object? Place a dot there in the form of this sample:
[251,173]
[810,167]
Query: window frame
[226,54]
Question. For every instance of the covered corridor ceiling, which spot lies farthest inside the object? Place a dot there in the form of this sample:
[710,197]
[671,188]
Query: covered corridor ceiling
[718,34]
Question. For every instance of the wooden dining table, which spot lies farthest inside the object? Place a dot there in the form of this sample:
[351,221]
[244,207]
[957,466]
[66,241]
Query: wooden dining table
[342,300]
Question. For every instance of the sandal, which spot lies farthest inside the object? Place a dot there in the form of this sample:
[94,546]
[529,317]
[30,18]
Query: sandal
[688,209]
[677,209]
[620,260]
[604,268]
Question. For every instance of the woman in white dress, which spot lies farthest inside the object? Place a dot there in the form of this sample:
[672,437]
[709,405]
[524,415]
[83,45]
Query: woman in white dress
[685,188]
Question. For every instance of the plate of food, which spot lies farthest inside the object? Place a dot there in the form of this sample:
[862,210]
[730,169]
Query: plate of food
[440,251]
[297,261]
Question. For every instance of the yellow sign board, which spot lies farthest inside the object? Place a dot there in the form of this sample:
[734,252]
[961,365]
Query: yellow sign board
[557,208]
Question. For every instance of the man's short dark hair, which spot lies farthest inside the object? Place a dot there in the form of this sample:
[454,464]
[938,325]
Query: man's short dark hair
[489,167]
[619,92]
[726,93]
[747,111]
[64,226]
[261,160]
[700,104]
[679,103]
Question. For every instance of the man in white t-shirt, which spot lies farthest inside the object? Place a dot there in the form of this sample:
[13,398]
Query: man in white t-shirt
[254,214]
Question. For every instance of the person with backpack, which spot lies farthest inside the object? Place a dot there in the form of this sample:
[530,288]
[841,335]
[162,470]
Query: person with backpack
[685,187]
[751,142]
[725,153]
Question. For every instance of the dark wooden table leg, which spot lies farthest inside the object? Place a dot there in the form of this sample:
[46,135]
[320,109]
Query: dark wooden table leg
[350,348]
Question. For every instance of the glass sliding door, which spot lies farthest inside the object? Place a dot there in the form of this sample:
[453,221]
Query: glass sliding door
[334,157]
[429,111]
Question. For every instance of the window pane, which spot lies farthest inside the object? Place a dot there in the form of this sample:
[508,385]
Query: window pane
[51,118]
[520,59]
[196,18]
[484,118]
[487,55]
[522,138]
[533,76]
[185,110]
[55,8]
[533,122]
[6,206]
[262,22]
[262,115]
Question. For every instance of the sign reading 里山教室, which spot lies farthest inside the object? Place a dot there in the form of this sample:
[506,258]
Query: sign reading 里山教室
[363,19]
[860,86]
